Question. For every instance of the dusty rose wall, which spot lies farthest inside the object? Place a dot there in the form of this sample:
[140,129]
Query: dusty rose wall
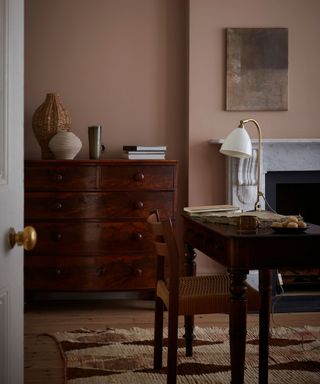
[117,63]
[207,118]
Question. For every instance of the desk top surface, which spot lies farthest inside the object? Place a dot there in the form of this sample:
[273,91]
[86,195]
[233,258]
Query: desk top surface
[232,231]
[259,249]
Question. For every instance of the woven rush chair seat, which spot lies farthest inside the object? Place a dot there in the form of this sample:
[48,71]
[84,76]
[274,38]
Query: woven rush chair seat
[199,294]
[205,294]
[183,295]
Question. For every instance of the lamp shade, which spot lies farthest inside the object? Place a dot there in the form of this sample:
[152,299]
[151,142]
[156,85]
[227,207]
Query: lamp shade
[237,144]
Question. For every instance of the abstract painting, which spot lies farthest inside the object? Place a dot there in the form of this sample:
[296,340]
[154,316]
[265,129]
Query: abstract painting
[257,69]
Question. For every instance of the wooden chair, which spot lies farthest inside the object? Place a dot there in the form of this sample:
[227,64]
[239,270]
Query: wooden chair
[186,296]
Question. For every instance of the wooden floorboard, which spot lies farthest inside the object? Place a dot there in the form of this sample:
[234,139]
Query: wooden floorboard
[43,363]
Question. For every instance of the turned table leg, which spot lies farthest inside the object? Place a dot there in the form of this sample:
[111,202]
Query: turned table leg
[238,324]
[264,323]
[190,270]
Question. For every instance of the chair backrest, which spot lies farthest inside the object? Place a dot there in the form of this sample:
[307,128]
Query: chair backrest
[166,249]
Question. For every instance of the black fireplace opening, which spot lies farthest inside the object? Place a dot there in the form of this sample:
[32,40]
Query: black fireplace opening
[296,193]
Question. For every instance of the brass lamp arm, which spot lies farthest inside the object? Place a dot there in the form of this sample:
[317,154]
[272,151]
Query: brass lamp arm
[257,205]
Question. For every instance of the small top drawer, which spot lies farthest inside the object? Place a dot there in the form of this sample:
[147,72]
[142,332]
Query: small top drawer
[137,177]
[48,178]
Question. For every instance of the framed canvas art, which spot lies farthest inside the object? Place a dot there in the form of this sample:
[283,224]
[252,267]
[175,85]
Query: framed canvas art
[257,69]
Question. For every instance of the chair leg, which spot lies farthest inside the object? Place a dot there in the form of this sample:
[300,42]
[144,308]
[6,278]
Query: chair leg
[158,334]
[188,336]
[172,347]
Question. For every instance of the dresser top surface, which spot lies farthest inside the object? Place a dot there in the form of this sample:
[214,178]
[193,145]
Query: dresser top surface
[100,162]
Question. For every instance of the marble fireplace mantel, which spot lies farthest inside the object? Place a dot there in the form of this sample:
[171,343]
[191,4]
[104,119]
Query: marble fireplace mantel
[277,155]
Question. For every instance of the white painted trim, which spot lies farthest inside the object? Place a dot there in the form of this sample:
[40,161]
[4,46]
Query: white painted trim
[4,57]
[4,336]
[271,141]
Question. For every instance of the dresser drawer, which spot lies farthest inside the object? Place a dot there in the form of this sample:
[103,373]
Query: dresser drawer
[89,274]
[137,177]
[48,178]
[97,205]
[87,239]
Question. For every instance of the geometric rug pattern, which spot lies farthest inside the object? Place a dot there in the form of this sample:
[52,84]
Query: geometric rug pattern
[125,356]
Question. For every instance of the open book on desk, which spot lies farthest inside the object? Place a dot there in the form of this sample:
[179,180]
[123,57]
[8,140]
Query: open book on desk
[229,214]
[265,218]
[212,210]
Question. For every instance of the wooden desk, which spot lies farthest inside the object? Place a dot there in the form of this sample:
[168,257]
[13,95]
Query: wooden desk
[262,250]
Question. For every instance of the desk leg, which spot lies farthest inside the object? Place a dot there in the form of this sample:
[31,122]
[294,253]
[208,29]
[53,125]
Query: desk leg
[190,270]
[264,323]
[238,324]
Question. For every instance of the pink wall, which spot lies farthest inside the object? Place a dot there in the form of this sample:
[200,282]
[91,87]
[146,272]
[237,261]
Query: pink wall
[207,117]
[117,63]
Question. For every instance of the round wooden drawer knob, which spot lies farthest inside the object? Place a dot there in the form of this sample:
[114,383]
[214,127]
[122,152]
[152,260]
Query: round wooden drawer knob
[139,176]
[57,206]
[138,204]
[101,271]
[137,272]
[218,247]
[57,236]
[137,236]
[58,272]
[58,177]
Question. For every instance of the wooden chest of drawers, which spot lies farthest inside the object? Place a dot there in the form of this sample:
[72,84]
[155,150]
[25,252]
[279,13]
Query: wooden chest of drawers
[90,220]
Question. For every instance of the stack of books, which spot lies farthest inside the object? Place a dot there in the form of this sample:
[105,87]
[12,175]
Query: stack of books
[136,152]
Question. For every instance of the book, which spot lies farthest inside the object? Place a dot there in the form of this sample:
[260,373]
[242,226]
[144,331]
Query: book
[144,148]
[145,152]
[212,209]
[144,156]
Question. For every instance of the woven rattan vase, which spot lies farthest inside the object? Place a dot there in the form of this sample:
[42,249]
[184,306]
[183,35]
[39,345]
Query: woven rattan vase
[48,119]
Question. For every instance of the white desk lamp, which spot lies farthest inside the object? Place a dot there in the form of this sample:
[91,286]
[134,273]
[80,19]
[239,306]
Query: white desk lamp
[238,144]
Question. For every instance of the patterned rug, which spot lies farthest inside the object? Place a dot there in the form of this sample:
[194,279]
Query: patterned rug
[118,356]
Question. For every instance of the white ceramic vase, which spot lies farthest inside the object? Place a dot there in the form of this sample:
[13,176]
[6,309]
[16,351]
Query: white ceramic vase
[65,145]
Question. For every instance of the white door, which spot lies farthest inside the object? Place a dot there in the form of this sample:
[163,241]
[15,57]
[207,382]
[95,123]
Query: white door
[11,190]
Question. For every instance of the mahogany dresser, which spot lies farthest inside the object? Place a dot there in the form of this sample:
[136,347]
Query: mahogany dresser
[90,219]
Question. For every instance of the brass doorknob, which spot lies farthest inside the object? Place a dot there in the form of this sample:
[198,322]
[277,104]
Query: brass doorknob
[27,238]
